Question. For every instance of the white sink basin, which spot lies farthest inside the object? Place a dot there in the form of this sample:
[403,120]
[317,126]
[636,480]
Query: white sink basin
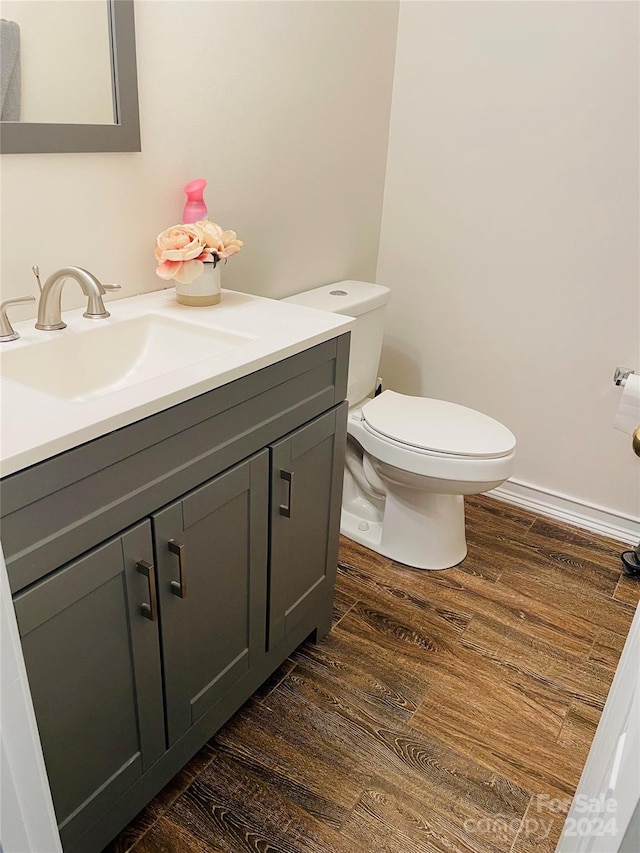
[62,389]
[85,365]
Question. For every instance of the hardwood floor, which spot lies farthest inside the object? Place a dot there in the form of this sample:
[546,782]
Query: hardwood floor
[446,711]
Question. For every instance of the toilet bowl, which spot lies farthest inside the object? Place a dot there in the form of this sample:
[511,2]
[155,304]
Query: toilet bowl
[409,460]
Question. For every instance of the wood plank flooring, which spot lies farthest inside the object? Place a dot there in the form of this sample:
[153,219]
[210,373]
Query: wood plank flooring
[446,711]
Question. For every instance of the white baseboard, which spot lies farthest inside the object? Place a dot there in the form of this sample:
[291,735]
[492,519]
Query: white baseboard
[597,519]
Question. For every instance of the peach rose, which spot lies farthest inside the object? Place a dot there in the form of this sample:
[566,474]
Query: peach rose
[180,243]
[224,244]
[180,252]
[229,244]
[208,232]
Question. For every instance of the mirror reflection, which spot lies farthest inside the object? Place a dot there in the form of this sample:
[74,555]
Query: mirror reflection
[56,62]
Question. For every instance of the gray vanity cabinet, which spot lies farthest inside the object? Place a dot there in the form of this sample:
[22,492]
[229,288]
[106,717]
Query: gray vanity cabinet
[162,572]
[94,673]
[306,482]
[211,550]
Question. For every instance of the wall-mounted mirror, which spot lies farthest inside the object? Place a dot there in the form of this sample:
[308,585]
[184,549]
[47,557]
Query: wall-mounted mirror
[69,78]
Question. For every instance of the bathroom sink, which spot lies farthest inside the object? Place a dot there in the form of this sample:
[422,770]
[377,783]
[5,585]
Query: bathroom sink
[61,389]
[83,366]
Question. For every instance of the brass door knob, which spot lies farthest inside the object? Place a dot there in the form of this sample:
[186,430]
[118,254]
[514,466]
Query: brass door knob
[636,441]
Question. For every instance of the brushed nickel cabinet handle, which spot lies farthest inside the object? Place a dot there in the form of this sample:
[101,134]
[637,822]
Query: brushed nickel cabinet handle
[149,611]
[287,476]
[179,588]
[636,441]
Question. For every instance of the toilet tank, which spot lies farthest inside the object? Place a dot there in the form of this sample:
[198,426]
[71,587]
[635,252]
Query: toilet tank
[367,303]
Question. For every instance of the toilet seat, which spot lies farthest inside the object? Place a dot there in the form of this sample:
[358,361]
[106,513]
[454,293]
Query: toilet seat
[428,463]
[424,425]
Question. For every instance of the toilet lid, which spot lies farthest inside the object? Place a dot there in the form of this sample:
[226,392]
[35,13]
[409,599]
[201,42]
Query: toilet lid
[437,426]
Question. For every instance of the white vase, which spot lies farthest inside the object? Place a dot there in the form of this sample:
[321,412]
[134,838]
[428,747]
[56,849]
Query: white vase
[205,290]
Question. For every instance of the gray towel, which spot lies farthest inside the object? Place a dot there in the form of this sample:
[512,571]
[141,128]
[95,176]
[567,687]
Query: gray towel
[9,71]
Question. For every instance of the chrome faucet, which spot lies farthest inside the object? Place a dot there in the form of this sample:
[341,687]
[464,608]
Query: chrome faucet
[50,309]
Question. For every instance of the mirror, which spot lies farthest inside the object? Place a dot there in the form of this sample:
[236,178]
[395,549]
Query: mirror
[97,106]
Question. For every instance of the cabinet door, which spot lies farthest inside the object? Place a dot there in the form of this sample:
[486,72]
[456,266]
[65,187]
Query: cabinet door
[211,550]
[306,484]
[93,662]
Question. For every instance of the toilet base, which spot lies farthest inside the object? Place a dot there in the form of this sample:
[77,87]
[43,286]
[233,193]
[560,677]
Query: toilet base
[367,533]
[419,529]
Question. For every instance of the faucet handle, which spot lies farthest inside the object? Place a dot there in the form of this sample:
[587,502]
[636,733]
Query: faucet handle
[95,307]
[7,332]
[35,269]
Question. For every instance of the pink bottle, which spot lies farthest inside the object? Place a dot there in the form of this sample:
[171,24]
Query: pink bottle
[195,208]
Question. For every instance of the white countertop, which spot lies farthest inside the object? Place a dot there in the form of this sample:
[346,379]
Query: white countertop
[36,425]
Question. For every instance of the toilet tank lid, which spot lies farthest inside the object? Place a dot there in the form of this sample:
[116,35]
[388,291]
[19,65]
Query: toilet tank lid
[344,297]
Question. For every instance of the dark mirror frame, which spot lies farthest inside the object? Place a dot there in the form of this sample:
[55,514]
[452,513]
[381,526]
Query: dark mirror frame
[123,135]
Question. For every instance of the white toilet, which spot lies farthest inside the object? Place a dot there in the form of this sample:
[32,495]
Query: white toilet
[409,459]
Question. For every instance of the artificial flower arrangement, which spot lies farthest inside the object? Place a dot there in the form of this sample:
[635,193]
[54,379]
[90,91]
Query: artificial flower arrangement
[183,250]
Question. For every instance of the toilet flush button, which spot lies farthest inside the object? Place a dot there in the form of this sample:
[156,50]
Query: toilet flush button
[363,526]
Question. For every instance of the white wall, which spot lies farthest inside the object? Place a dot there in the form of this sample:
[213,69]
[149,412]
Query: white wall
[510,228]
[283,107]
